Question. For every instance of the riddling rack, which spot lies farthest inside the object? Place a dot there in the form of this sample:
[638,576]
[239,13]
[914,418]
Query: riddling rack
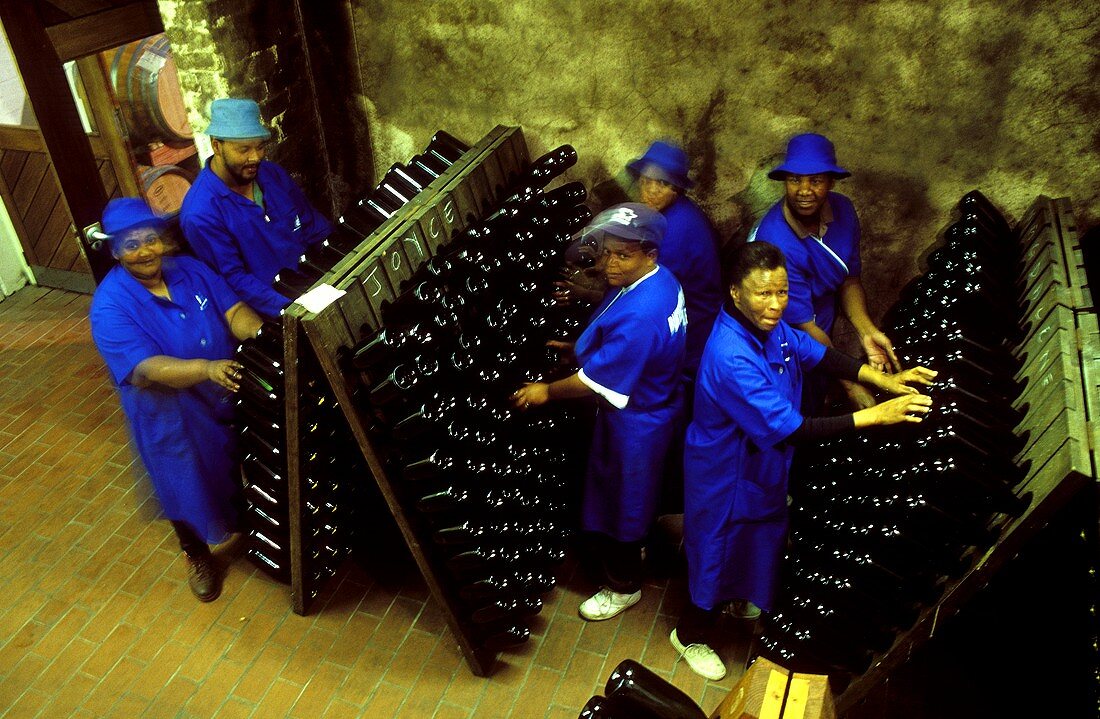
[369,276]
[1060,405]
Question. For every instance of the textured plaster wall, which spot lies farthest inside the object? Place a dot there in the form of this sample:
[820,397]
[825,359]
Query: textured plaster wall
[297,60]
[925,100]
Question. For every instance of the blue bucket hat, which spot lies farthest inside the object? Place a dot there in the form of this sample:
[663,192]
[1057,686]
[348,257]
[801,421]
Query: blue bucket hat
[664,161]
[233,118]
[809,154]
[631,221]
[128,213]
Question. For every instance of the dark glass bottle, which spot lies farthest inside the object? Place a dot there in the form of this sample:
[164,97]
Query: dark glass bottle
[270,454]
[601,707]
[293,283]
[256,391]
[512,583]
[499,501]
[448,149]
[257,516]
[501,608]
[568,195]
[494,557]
[259,473]
[545,168]
[270,338]
[269,502]
[265,423]
[495,638]
[642,691]
[320,258]
[360,220]
[432,416]
[261,364]
[811,640]
[277,569]
[474,533]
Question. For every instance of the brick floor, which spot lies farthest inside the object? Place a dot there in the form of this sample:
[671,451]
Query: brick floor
[96,619]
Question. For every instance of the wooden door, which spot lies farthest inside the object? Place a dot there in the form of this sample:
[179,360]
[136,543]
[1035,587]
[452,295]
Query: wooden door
[43,35]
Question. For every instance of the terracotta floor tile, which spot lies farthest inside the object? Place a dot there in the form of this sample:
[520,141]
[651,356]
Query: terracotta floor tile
[101,623]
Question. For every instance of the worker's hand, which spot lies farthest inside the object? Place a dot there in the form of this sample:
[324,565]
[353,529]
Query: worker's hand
[880,352]
[858,395]
[564,349]
[908,408]
[902,382]
[532,394]
[225,373]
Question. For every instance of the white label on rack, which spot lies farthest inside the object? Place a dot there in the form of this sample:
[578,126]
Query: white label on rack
[320,297]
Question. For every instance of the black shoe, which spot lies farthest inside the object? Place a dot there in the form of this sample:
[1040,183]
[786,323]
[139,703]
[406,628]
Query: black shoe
[203,578]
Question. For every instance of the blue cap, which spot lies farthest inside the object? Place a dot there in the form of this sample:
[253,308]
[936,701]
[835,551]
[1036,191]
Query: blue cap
[664,161]
[233,118]
[631,221]
[128,213]
[809,154]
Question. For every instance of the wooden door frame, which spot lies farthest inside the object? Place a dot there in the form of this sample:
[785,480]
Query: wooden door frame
[39,54]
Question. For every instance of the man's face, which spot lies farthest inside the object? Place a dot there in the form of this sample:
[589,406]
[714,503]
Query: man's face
[656,193]
[140,253]
[762,297]
[240,158]
[806,194]
[625,261]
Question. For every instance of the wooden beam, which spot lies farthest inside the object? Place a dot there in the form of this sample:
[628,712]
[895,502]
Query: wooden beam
[54,106]
[105,110]
[106,29]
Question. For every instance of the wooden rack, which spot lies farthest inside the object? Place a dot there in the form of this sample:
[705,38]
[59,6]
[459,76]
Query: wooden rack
[1062,398]
[368,276]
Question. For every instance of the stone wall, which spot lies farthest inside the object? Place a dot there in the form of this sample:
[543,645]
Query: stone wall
[924,99]
[296,59]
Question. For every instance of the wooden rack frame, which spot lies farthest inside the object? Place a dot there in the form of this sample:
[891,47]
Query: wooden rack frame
[368,276]
[1062,368]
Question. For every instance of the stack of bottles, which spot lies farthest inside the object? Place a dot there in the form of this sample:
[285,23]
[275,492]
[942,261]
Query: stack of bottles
[401,183]
[634,692]
[883,520]
[486,487]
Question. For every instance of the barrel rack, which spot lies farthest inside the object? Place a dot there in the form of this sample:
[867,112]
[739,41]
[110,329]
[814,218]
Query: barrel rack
[1061,401]
[368,276]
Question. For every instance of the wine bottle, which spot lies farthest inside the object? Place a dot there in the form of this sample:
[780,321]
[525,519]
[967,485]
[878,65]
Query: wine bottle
[448,149]
[292,283]
[499,638]
[642,691]
[499,585]
[432,416]
[494,557]
[489,501]
[503,608]
[278,570]
[545,168]
[474,533]
[360,220]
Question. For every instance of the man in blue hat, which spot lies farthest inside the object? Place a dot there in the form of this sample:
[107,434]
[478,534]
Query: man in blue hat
[167,328]
[244,215]
[631,357]
[818,232]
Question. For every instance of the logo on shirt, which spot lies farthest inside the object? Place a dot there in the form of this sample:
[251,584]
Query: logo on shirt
[297,223]
[202,302]
[678,319]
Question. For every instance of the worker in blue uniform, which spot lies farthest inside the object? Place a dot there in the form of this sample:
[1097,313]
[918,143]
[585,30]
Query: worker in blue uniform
[689,248]
[819,233]
[167,328]
[631,357]
[244,215]
[739,445]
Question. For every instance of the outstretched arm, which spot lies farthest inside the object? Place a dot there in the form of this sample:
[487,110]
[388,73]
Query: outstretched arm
[879,349]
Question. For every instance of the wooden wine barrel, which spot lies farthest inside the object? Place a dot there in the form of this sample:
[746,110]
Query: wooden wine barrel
[146,83]
[164,187]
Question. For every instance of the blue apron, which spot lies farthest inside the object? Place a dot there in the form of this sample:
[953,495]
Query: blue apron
[631,354]
[736,461]
[184,436]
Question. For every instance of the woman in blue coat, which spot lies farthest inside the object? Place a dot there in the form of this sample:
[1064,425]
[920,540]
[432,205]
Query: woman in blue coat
[631,357]
[740,442]
[167,328]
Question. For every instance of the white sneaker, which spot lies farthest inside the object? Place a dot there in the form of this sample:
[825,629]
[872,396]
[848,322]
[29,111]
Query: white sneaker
[703,660]
[742,609]
[605,604]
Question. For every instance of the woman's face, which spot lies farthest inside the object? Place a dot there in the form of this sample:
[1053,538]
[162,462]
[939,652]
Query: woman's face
[657,193]
[140,252]
[762,297]
[626,263]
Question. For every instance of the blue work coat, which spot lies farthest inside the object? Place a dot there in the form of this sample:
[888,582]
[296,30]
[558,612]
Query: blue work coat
[736,460]
[631,354]
[248,244]
[184,436]
[816,266]
[690,252]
